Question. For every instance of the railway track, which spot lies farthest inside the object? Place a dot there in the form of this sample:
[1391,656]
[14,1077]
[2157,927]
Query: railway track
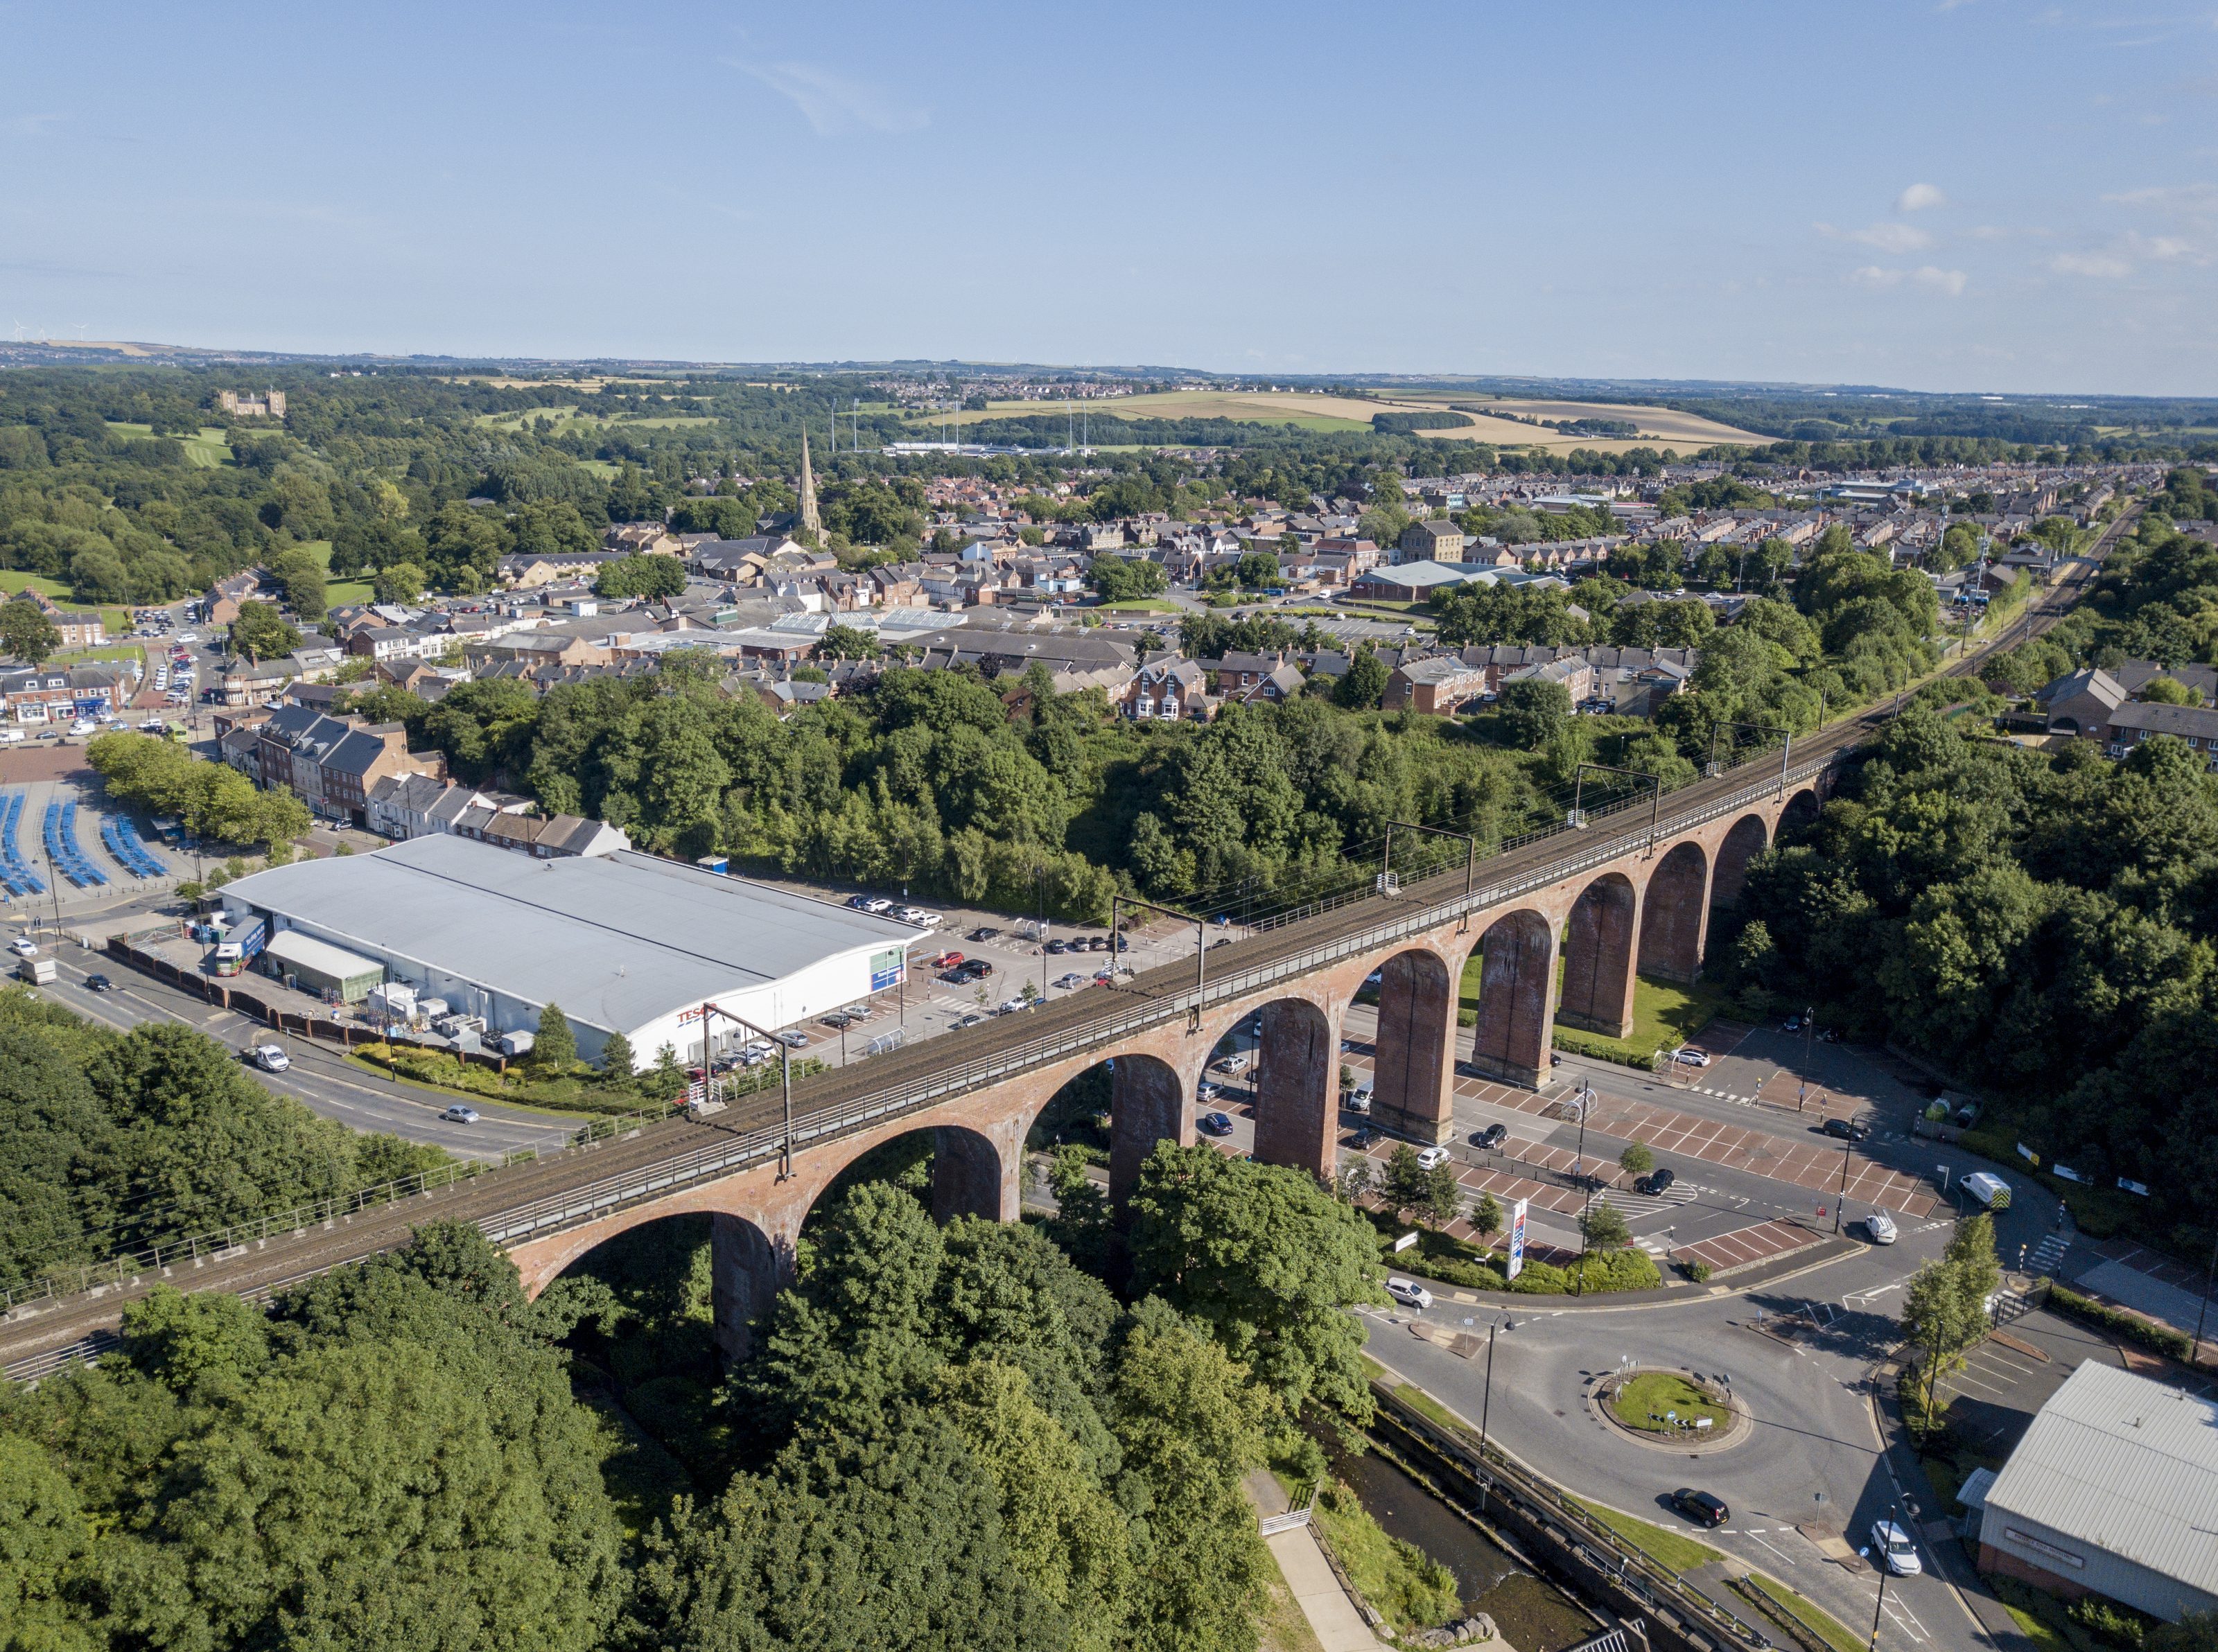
[591,1180]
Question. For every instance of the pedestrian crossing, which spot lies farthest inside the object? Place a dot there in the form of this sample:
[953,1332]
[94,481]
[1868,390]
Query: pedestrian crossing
[2048,1256]
[1633,1206]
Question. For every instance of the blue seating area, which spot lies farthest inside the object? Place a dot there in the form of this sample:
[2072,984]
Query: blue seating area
[123,841]
[15,877]
[61,847]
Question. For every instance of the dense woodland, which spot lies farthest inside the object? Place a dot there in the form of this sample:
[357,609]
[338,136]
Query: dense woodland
[946,1438]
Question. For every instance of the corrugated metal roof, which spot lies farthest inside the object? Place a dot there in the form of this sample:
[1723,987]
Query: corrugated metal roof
[290,946]
[617,940]
[2125,1465]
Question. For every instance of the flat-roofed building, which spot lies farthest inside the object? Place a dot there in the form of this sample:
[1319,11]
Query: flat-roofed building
[623,941]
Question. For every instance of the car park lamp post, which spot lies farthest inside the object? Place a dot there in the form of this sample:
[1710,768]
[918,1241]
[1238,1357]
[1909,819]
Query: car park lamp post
[1486,1407]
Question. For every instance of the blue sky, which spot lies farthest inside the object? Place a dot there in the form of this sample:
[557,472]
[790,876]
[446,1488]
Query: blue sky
[1975,196]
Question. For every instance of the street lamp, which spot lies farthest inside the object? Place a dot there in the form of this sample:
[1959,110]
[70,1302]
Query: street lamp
[1486,1406]
[1586,1102]
[1874,1646]
[1848,1142]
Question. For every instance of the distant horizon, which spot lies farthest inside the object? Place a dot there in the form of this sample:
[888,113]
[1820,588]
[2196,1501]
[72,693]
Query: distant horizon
[245,355]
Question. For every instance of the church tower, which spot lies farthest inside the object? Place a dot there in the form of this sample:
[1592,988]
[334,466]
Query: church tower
[809,519]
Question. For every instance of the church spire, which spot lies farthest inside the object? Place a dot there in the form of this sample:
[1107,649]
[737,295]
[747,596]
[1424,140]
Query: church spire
[809,519]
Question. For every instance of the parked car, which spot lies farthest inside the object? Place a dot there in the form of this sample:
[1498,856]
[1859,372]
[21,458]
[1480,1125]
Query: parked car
[984,932]
[1410,1293]
[459,1114]
[1359,1098]
[965,1021]
[1701,1507]
[1491,1137]
[1687,1055]
[1894,1551]
[1880,1227]
[1657,1180]
[1215,1124]
[1792,1024]
[859,902]
[1207,1091]
[1430,1158]
[947,961]
[1009,1006]
[1847,1129]
[1991,1191]
[877,903]
[1097,944]
[792,1039]
[1056,949]
[837,1020]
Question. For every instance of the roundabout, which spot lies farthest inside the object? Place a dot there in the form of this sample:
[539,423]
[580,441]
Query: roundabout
[1666,1410]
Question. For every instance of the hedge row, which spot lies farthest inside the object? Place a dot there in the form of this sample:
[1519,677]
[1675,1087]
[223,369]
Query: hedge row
[2157,1338]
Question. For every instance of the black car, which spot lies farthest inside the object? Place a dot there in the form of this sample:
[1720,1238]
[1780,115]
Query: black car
[1700,1506]
[1657,1180]
[984,932]
[99,984]
[1492,1137]
[1216,1124]
[1124,943]
[1847,1129]
[1056,948]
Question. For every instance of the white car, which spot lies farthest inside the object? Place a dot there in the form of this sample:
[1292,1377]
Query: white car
[1880,1227]
[1894,1551]
[270,1059]
[1009,1006]
[24,947]
[1410,1293]
[1689,1056]
[877,903]
[1431,1158]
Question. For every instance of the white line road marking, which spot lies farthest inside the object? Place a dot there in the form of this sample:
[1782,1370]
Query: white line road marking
[1776,1549]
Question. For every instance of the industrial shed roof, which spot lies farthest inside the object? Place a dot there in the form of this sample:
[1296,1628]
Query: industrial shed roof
[290,946]
[617,940]
[2125,1465]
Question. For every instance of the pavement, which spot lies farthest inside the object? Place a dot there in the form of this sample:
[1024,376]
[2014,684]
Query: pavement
[1332,1616]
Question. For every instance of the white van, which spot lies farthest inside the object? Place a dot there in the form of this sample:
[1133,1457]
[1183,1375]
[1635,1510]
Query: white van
[1991,1191]
[1358,1100]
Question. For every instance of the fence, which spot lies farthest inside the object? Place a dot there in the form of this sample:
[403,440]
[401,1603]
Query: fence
[1586,1555]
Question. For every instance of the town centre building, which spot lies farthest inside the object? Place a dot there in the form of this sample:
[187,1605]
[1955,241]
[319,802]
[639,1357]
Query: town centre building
[624,942]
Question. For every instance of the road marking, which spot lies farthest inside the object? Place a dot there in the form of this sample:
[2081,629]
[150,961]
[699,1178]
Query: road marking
[1776,1549]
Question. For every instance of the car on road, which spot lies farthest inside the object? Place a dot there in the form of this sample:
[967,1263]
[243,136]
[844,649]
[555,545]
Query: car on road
[1891,1544]
[1847,1129]
[1491,1137]
[98,984]
[459,1114]
[1687,1055]
[1880,1228]
[1656,1181]
[270,1058]
[1216,1124]
[1431,1158]
[24,947]
[1701,1507]
[1409,1293]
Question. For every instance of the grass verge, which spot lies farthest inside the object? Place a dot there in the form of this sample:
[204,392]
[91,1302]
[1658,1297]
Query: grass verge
[1820,1622]
[1662,1394]
[1667,1549]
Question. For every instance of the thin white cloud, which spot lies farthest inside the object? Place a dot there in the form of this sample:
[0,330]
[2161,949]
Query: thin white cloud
[2162,247]
[834,104]
[1878,279]
[1919,196]
[1896,238]
[2194,199]
[2102,265]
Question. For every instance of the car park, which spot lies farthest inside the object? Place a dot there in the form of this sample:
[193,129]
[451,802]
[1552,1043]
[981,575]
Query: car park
[1431,1158]
[1847,1129]
[1879,1228]
[1409,1293]
[1215,1124]
[1891,1546]
[1491,1137]
[1700,1507]
[1657,1180]
[459,1114]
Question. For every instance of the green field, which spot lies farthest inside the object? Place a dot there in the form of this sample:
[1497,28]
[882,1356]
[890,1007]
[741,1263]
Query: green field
[338,592]
[565,418]
[1665,1015]
[11,582]
[204,451]
[1659,1393]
